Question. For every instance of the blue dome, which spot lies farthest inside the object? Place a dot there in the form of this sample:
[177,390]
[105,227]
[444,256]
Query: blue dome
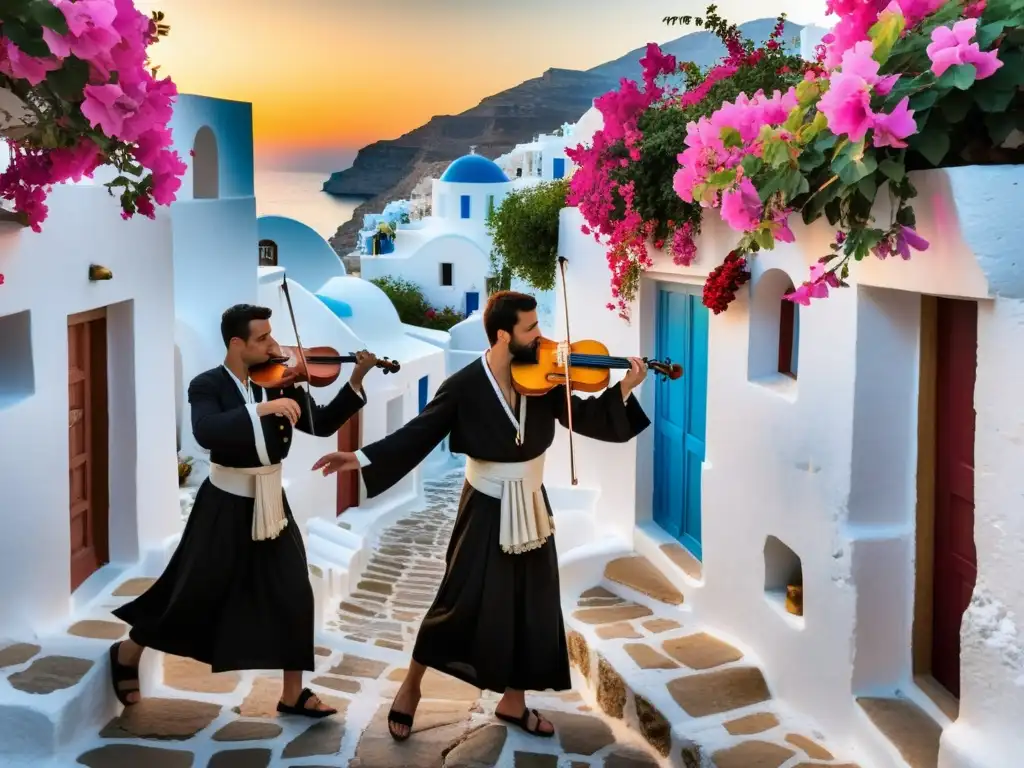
[474,169]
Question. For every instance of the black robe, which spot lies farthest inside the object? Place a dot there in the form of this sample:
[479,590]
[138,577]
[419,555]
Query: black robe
[496,621]
[225,599]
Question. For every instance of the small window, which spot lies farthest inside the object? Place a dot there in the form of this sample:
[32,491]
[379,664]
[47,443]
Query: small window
[424,388]
[447,274]
[490,206]
[464,203]
[789,338]
[558,168]
[268,253]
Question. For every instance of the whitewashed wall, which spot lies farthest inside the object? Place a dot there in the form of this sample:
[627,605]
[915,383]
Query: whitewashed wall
[46,275]
[215,238]
[827,463]
[471,265]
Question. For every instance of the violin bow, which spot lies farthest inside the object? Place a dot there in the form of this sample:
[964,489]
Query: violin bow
[568,374]
[298,344]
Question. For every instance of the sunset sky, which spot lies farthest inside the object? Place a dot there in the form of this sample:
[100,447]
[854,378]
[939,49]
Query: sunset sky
[326,77]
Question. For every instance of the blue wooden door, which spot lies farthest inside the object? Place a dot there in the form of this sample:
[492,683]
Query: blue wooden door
[424,390]
[558,167]
[680,417]
[472,302]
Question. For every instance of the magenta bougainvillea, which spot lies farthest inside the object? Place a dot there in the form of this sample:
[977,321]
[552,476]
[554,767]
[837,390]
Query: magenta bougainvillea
[897,86]
[81,71]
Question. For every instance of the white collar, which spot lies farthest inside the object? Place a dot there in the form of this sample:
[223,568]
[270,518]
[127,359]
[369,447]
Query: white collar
[520,423]
[245,389]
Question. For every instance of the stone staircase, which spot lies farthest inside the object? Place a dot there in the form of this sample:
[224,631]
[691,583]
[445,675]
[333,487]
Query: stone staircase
[693,698]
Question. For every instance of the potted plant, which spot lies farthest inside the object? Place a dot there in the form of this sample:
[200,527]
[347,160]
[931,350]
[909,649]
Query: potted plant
[185,465]
[76,93]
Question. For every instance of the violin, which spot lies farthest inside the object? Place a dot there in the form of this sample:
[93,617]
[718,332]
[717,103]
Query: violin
[588,370]
[318,366]
[556,364]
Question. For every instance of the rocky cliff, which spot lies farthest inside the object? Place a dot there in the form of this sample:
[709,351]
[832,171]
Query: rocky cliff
[388,170]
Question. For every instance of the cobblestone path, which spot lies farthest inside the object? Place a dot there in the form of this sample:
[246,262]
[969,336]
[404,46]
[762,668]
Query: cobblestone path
[191,718]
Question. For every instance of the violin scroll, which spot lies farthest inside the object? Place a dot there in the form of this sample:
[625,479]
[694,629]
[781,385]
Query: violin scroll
[665,368]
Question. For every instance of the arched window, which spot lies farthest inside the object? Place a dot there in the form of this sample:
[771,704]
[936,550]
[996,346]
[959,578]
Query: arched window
[773,352]
[268,253]
[789,336]
[205,165]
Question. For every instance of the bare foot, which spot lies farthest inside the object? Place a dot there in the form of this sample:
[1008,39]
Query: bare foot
[405,703]
[534,723]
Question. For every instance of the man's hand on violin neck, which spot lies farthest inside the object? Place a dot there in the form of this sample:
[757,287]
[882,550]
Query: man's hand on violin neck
[339,461]
[364,362]
[637,373]
[284,407]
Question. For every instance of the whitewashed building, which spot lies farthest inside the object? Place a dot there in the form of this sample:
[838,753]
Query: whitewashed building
[448,254]
[865,448]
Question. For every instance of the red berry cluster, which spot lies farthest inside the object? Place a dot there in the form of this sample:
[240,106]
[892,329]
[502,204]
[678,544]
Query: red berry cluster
[723,282]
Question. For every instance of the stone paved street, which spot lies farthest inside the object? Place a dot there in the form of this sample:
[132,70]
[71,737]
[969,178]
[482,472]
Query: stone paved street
[191,718]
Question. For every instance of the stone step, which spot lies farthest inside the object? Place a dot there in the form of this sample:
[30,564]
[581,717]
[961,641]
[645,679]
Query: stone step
[693,697]
[639,574]
[907,727]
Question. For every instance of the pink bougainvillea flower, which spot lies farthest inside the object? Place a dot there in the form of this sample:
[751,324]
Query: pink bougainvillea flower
[847,106]
[91,34]
[953,46]
[107,107]
[20,66]
[893,128]
[974,10]
[741,206]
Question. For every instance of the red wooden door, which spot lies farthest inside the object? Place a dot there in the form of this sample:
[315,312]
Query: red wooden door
[348,482]
[87,444]
[956,563]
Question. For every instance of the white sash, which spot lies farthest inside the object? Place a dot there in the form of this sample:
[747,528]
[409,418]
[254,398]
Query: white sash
[526,521]
[264,484]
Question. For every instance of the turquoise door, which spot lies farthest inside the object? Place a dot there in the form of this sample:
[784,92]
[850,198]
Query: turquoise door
[680,416]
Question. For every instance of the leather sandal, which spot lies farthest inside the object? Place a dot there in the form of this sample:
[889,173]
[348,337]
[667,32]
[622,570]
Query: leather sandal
[300,708]
[523,721]
[399,718]
[122,673]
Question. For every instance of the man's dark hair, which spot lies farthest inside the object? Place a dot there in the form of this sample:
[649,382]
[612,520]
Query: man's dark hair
[235,321]
[502,312]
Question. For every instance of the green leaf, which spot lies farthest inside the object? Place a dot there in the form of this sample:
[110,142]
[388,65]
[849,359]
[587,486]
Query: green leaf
[893,169]
[851,164]
[752,165]
[885,32]
[794,184]
[46,14]
[826,141]
[14,9]
[956,105]
[28,39]
[961,76]
[810,159]
[1000,126]
[764,238]
[731,137]
[924,100]
[722,178]
[932,144]
[772,185]
[991,99]
[69,81]
[988,33]
[868,187]
[776,153]
[795,119]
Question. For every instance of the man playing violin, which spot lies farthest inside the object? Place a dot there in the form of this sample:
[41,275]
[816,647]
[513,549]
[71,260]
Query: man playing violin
[496,622]
[236,593]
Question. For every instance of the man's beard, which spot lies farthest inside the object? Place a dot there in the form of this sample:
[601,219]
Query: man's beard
[523,353]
